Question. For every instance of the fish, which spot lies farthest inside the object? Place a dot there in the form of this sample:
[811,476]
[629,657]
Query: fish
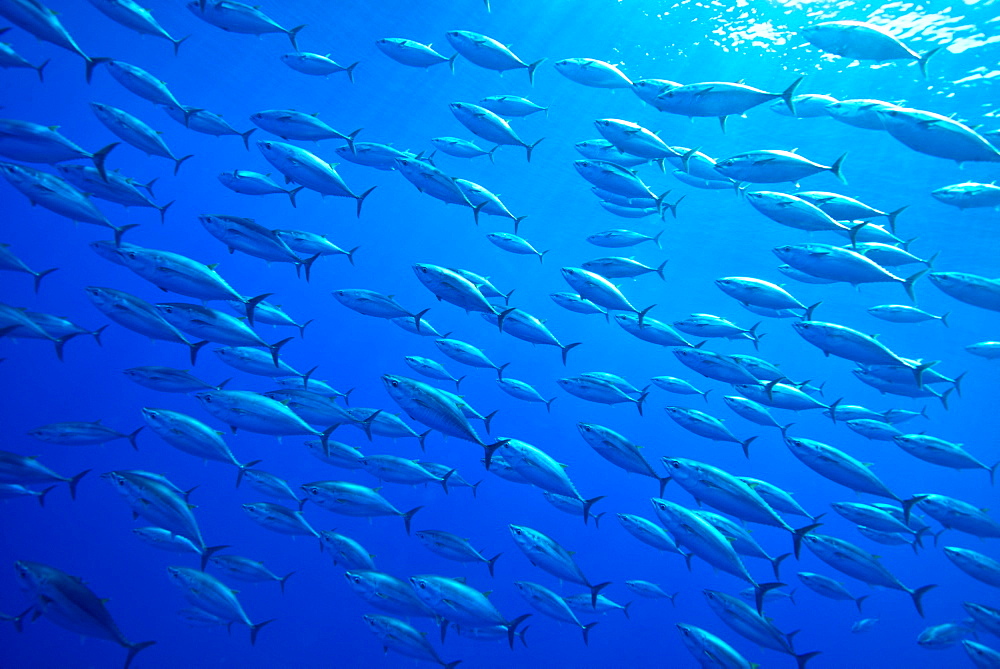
[467,354]
[829,588]
[395,469]
[279,518]
[807,105]
[705,425]
[858,40]
[135,132]
[600,291]
[539,468]
[600,391]
[552,605]
[981,655]
[719,99]
[70,604]
[847,558]
[236,17]
[112,187]
[775,166]
[193,437]
[511,105]
[940,452]
[254,183]
[751,625]
[619,451]
[291,124]
[42,22]
[33,143]
[522,325]
[968,288]
[980,567]
[346,551]
[214,325]
[245,569]
[412,53]
[249,237]
[705,644]
[453,547]
[371,303]
[955,514]
[937,135]
[488,53]
[491,127]
[82,434]
[514,244]
[309,170]
[461,148]
[11,263]
[16,469]
[404,639]
[593,73]
[206,592]
[316,64]
[546,554]
[132,15]
[969,195]
[9,58]
[387,593]
[351,499]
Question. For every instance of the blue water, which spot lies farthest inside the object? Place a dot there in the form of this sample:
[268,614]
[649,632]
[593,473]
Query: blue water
[319,619]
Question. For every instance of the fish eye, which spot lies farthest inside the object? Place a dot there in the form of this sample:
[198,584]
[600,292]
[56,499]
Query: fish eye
[357,580]
[423,586]
[662,506]
[208,398]
[395,384]
[518,532]
[675,465]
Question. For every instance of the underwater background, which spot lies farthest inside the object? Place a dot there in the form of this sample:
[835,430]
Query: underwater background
[715,234]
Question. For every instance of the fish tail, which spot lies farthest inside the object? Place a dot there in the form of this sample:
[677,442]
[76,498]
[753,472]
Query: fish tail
[761,589]
[91,64]
[517,224]
[659,270]
[569,347]
[586,633]
[926,57]
[179,161]
[531,147]
[422,440]
[917,596]
[548,404]
[541,256]
[746,446]
[588,503]
[275,349]
[944,319]
[805,657]
[408,517]
[503,315]
[251,304]
[163,211]
[919,370]
[133,650]
[350,70]
[859,601]
[488,418]
[347,395]
[188,111]
[292,193]
[855,230]
[672,206]
[417,316]
[797,540]
[308,263]
[292,35]
[361,199]
[208,552]
[491,449]
[451,665]
[663,483]
[43,493]
[625,609]
[100,156]
[788,95]
[531,70]
[41,275]
[642,400]
[907,505]
[958,383]
[119,231]
[993,471]
[131,437]
[444,480]
[908,284]
[177,43]
[833,409]
[492,562]
[243,470]
[500,370]
[930,261]
[40,69]
[673,599]
[892,215]
[512,626]
[476,209]
[61,342]
[451,62]
[307,376]
[944,398]
[776,564]
[838,167]
[255,630]
[283,580]
[73,482]
[195,347]
[475,489]
[596,590]
[687,560]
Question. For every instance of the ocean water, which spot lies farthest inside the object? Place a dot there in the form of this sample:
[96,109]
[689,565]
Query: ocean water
[318,620]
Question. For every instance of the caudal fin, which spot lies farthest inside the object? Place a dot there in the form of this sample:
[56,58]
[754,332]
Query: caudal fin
[512,627]
[492,562]
[776,564]
[569,347]
[100,156]
[908,284]
[491,449]
[805,657]
[642,400]
[131,437]
[41,275]
[531,147]
[917,596]
[587,504]
[283,580]
[361,199]
[788,95]
[73,482]
[924,58]
[746,446]
[133,650]
[797,539]
[586,633]
[209,552]
[596,590]
[761,589]
[194,348]
[408,516]
[838,167]
[531,70]
[255,630]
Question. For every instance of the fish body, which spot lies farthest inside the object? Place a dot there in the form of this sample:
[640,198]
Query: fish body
[412,53]
[237,17]
[774,166]
[593,73]
[488,53]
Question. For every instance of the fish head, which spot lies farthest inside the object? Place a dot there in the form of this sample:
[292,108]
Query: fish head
[32,576]
[399,387]
[118,480]
[153,416]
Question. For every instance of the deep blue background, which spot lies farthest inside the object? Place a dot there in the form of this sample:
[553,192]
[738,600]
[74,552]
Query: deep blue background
[716,234]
